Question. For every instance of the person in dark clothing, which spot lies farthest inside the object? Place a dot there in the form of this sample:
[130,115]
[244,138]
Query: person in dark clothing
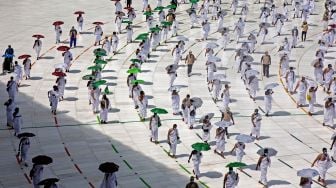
[128,3]
[8,61]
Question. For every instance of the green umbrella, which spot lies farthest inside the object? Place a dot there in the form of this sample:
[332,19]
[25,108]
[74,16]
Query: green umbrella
[107,91]
[143,34]
[100,62]
[135,60]
[99,50]
[99,83]
[148,13]
[171,7]
[134,70]
[166,23]
[159,8]
[193,1]
[87,77]
[141,38]
[236,165]
[100,54]
[95,67]
[138,81]
[159,111]
[201,146]
[155,29]
[127,22]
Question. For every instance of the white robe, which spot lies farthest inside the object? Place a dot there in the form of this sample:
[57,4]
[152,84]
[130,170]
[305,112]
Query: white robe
[67,59]
[226,98]
[175,103]
[9,113]
[98,33]
[256,129]
[23,148]
[302,93]
[115,42]
[26,67]
[263,169]
[53,99]
[18,73]
[38,170]
[220,142]
[231,181]
[61,86]
[109,181]
[290,80]
[38,47]
[143,107]
[217,88]
[328,116]
[196,158]
[268,103]
[206,132]
[17,123]
[240,152]
[323,166]
[154,134]
[173,141]
[12,91]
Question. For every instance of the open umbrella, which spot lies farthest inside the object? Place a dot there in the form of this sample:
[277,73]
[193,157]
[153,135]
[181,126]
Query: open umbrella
[223,30]
[155,29]
[100,54]
[95,67]
[148,13]
[24,56]
[58,23]
[244,138]
[199,146]
[271,86]
[26,134]
[135,60]
[170,7]
[141,38]
[159,111]
[212,45]
[193,1]
[210,115]
[271,152]
[48,181]
[250,73]
[79,12]
[176,87]
[214,59]
[264,24]
[58,74]
[223,124]
[38,36]
[247,58]
[99,83]
[219,77]
[166,23]
[159,8]
[42,160]
[138,81]
[172,67]
[108,167]
[280,16]
[134,70]
[196,101]
[98,23]
[99,50]
[183,38]
[100,62]
[236,165]
[63,48]
[307,172]
[87,77]
[127,21]
[143,34]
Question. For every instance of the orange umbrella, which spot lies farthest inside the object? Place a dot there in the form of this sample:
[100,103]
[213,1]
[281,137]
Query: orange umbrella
[58,74]
[63,48]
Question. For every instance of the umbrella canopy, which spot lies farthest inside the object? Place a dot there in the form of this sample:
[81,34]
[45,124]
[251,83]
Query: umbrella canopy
[223,124]
[236,165]
[183,38]
[155,29]
[280,16]
[223,30]
[108,167]
[143,34]
[271,152]
[63,48]
[58,23]
[59,66]
[96,67]
[87,77]
[138,81]
[100,62]
[210,115]
[159,111]
[141,38]
[159,8]
[134,70]
[58,74]
[264,24]
[166,23]
[193,1]
[79,12]
[99,83]
[214,59]
[247,58]
[172,67]
[100,54]
[48,181]
[98,23]
[307,172]
[212,45]
[24,56]
[99,50]
[197,102]
[219,77]
[250,73]
[148,13]
[38,36]
[244,138]
[201,146]
[127,21]
[176,87]
[170,7]
[271,86]
[42,160]
[135,60]
[26,134]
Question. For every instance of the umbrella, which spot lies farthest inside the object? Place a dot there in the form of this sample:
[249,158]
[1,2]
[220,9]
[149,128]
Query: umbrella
[138,81]
[265,9]
[236,165]
[58,74]
[155,29]
[79,12]
[38,36]
[159,8]
[59,66]
[264,24]
[170,7]
[99,83]
[159,111]
[176,87]
[212,45]
[222,12]
[214,59]
[48,181]
[127,22]
[141,38]
[63,48]
[108,167]
[201,146]
[98,23]
[87,77]
[95,67]
[280,16]
[143,34]
[271,86]
[42,160]
[219,77]
[100,54]
[26,134]
[193,1]
[307,172]
[99,50]
[148,13]
[24,56]
[174,67]
[210,115]
[135,60]
[250,73]
[223,124]
[100,62]
[271,152]
[197,102]
[223,30]
[183,38]
[166,23]
[58,23]
[244,138]
[134,70]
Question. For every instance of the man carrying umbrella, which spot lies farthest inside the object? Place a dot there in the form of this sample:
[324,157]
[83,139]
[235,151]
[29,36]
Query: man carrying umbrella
[110,178]
[61,81]
[172,138]
[231,179]
[27,66]
[37,47]
[95,94]
[67,59]
[24,146]
[142,104]
[58,32]
[154,124]
[36,173]
[80,20]
[184,107]
[264,163]
[206,127]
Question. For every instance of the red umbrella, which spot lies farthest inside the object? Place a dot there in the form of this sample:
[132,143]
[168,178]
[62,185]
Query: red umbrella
[332,25]
[58,73]
[24,56]
[98,23]
[58,23]
[38,36]
[63,48]
[128,8]
[79,12]
[115,0]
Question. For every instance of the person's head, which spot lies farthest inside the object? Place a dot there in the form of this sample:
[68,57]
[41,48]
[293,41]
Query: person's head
[114,33]
[226,86]
[188,96]
[192,179]
[227,109]
[325,151]
[329,66]
[256,110]
[174,126]
[55,88]
[230,169]
[142,93]
[303,78]
[16,63]
[16,110]
[11,78]
[190,52]
[265,152]
[9,46]
[104,96]
[266,52]
[155,114]
[304,23]
[73,27]
[291,68]
[174,92]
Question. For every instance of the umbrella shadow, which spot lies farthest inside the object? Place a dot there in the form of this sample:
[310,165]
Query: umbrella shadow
[278,182]
[222,68]
[329,182]
[212,174]
[86,33]
[281,113]
[24,85]
[151,61]
[144,71]
[182,155]
[233,100]
[107,70]
[268,43]
[148,83]
[71,88]
[227,153]
[109,78]
[149,96]
[320,112]
[264,137]
[154,56]
[233,134]
[111,84]
[36,78]
[47,57]
[163,142]
[229,49]
[63,112]
[318,105]
[259,98]
[114,110]
[151,106]
[196,74]
[75,71]
[71,99]
[79,46]
[212,143]
[163,50]
[250,21]
[251,166]
[329,57]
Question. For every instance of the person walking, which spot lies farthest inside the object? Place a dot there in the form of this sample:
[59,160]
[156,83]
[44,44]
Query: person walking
[190,60]
[266,62]
[173,138]
[73,37]
[304,27]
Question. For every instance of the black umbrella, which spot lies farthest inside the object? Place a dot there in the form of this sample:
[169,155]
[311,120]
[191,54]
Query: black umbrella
[42,160]
[26,134]
[48,181]
[108,167]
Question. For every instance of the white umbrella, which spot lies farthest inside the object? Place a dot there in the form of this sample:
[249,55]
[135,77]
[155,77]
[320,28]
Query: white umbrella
[174,67]
[182,38]
[59,66]
[271,86]
[223,30]
[210,115]
[271,152]
[214,59]
[244,138]
[280,16]
[308,173]
[223,124]
[219,77]
[175,87]
[212,45]
[250,73]
[248,58]
[222,12]
[197,102]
